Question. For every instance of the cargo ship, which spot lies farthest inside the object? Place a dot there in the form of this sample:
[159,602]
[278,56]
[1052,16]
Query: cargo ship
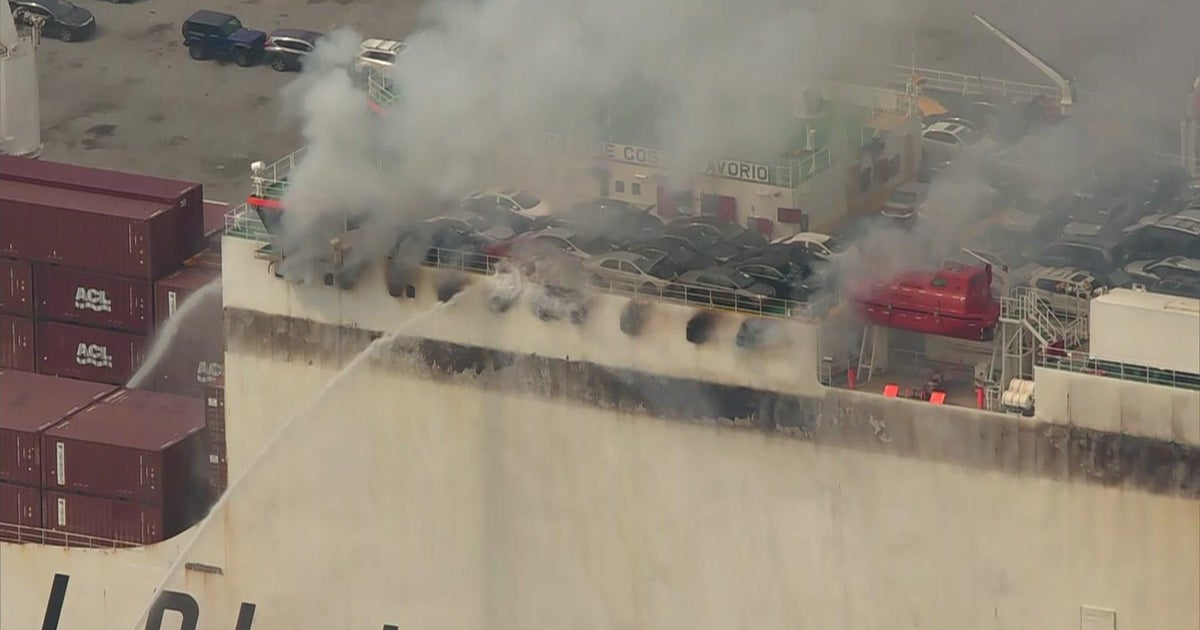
[457,454]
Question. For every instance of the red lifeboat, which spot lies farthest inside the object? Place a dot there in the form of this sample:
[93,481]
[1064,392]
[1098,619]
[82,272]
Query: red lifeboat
[954,301]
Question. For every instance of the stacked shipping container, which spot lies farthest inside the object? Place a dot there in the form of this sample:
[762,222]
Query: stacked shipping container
[30,404]
[80,252]
[130,467]
[86,255]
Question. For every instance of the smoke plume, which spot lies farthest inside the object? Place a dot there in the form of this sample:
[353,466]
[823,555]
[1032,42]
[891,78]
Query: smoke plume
[483,82]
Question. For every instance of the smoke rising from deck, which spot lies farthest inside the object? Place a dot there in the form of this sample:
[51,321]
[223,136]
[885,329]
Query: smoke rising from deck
[483,82]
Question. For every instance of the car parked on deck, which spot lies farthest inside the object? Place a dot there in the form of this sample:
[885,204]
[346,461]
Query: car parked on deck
[645,273]
[212,34]
[60,19]
[287,48]
[822,246]
[729,231]
[724,286]
[376,54]
[906,201]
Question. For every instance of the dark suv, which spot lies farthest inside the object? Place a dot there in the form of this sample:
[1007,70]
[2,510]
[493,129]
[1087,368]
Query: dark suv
[210,34]
[60,18]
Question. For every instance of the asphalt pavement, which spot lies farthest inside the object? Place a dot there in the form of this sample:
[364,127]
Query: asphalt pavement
[130,98]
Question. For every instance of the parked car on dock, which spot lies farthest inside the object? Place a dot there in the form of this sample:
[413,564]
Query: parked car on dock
[60,19]
[287,48]
[215,35]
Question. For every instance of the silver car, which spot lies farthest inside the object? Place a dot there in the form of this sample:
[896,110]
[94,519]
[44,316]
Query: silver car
[906,201]
[647,273]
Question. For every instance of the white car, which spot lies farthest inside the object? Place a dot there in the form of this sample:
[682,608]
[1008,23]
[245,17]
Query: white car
[822,246]
[946,140]
[511,199]
[1065,289]
[378,54]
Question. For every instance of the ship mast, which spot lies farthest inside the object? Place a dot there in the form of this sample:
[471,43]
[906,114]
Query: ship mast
[20,122]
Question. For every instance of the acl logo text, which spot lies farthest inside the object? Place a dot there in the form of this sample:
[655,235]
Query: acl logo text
[93,354]
[207,372]
[92,300]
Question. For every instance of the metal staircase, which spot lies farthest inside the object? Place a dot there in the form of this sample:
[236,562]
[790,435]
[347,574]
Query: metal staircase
[1025,308]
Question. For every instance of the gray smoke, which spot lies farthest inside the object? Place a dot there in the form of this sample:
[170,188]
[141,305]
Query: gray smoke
[483,82]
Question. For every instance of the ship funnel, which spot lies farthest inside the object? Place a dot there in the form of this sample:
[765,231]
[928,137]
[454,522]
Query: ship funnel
[20,122]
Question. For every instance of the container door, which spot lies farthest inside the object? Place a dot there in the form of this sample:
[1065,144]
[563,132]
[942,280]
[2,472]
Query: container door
[148,476]
[727,209]
[668,202]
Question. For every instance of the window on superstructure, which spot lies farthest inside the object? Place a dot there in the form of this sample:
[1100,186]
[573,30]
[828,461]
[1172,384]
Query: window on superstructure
[636,188]
[619,186]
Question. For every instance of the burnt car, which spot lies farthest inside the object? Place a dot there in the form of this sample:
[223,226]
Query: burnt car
[729,231]
[789,279]
[681,251]
[707,239]
[725,287]
[60,19]
[287,48]
[621,221]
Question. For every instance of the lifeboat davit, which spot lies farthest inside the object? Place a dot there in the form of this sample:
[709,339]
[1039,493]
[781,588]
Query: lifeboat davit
[954,301]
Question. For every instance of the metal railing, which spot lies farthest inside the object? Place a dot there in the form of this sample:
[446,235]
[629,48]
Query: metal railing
[474,262]
[379,89]
[26,535]
[270,180]
[959,83]
[1026,307]
[1081,362]
[243,222]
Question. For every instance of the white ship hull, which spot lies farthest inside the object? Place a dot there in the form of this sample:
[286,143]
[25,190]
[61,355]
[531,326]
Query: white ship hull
[417,497]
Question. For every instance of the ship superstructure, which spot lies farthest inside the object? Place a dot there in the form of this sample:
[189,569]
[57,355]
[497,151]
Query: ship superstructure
[468,451]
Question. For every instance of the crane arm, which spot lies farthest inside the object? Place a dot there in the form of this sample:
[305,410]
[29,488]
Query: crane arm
[1064,82]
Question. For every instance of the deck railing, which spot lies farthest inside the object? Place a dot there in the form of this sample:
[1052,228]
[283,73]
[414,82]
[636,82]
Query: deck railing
[243,222]
[23,534]
[270,180]
[1081,362]
[959,83]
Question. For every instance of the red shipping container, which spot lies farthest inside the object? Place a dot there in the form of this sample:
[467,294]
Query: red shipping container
[91,354]
[16,288]
[30,404]
[17,348]
[20,505]
[136,445]
[92,299]
[195,354]
[214,217]
[106,518]
[186,198]
[209,259]
[104,234]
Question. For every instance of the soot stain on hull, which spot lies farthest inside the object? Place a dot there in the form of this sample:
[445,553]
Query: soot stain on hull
[844,419]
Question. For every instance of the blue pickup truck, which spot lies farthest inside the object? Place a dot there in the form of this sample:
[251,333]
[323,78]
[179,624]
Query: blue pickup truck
[211,34]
